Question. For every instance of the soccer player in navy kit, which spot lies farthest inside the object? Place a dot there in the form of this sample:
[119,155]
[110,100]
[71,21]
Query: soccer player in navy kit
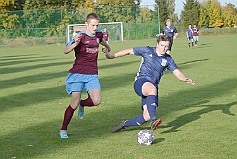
[171,32]
[84,73]
[189,34]
[154,63]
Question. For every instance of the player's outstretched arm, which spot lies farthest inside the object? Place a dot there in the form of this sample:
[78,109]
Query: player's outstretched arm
[182,77]
[119,54]
[175,35]
[69,48]
[103,42]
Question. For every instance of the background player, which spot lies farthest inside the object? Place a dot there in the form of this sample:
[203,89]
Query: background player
[154,63]
[195,34]
[106,37]
[189,34]
[171,32]
[84,73]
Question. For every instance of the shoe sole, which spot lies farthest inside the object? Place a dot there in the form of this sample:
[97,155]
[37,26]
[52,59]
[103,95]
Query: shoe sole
[115,129]
[156,124]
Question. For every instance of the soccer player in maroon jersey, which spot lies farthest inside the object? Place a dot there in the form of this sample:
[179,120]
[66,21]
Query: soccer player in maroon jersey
[106,37]
[84,73]
[195,34]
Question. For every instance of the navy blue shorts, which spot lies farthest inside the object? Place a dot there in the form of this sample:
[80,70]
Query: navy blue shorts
[138,89]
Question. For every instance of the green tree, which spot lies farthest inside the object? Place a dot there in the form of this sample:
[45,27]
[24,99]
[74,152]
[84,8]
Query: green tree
[163,11]
[190,14]
[117,10]
[204,15]
[9,20]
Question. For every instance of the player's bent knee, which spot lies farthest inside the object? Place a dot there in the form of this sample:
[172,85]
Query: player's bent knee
[146,116]
[74,105]
[96,102]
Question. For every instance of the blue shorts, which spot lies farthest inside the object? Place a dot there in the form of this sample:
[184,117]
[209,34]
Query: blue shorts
[138,89]
[195,38]
[78,82]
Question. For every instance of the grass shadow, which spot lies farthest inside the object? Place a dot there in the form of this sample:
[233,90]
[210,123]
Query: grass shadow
[190,117]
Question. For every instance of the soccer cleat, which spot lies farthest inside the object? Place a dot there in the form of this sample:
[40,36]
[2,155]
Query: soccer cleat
[81,112]
[120,126]
[155,123]
[63,134]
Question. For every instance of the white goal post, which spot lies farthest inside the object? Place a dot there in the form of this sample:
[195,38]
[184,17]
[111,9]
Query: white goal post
[115,30]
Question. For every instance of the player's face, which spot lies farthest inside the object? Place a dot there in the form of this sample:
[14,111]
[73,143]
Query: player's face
[92,26]
[162,47]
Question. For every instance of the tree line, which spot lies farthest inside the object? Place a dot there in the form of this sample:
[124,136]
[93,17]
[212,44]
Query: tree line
[56,14]
[206,13]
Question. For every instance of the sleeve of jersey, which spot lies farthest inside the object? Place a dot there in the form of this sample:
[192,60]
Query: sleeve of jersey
[175,30]
[72,41]
[172,66]
[99,34]
[163,30]
[139,51]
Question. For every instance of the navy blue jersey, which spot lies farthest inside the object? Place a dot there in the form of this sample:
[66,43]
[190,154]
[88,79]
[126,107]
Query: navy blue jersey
[153,66]
[169,31]
[190,32]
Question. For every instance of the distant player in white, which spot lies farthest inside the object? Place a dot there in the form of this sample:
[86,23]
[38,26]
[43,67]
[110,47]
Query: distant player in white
[155,61]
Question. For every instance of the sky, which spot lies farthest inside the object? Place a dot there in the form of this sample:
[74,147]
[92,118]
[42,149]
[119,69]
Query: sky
[179,4]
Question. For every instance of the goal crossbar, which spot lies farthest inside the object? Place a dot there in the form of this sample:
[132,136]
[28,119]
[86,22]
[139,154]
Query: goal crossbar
[68,31]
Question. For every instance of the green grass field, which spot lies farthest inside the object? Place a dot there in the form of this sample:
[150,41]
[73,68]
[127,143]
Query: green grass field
[198,121]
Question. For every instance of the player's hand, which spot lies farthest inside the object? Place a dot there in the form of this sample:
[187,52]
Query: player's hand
[190,81]
[77,38]
[157,35]
[108,55]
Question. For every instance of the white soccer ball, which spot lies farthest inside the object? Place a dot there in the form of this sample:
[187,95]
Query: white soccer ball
[145,137]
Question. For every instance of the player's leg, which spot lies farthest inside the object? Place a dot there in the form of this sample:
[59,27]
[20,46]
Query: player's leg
[197,40]
[192,42]
[151,91]
[149,96]
[170,46]
[188,42]
[93,89]
[75,97]
[139,119]
[73,87]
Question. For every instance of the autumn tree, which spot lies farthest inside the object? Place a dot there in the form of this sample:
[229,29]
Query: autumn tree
[215,14]
[230,15]
[117,10]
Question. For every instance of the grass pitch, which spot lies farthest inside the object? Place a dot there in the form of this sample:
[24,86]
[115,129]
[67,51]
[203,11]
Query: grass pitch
[199,121]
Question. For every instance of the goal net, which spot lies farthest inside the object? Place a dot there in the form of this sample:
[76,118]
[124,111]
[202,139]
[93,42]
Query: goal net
[115,30]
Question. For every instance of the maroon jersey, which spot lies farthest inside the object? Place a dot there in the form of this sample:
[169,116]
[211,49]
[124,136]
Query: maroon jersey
[86,53]
[106,36]
[195,31]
